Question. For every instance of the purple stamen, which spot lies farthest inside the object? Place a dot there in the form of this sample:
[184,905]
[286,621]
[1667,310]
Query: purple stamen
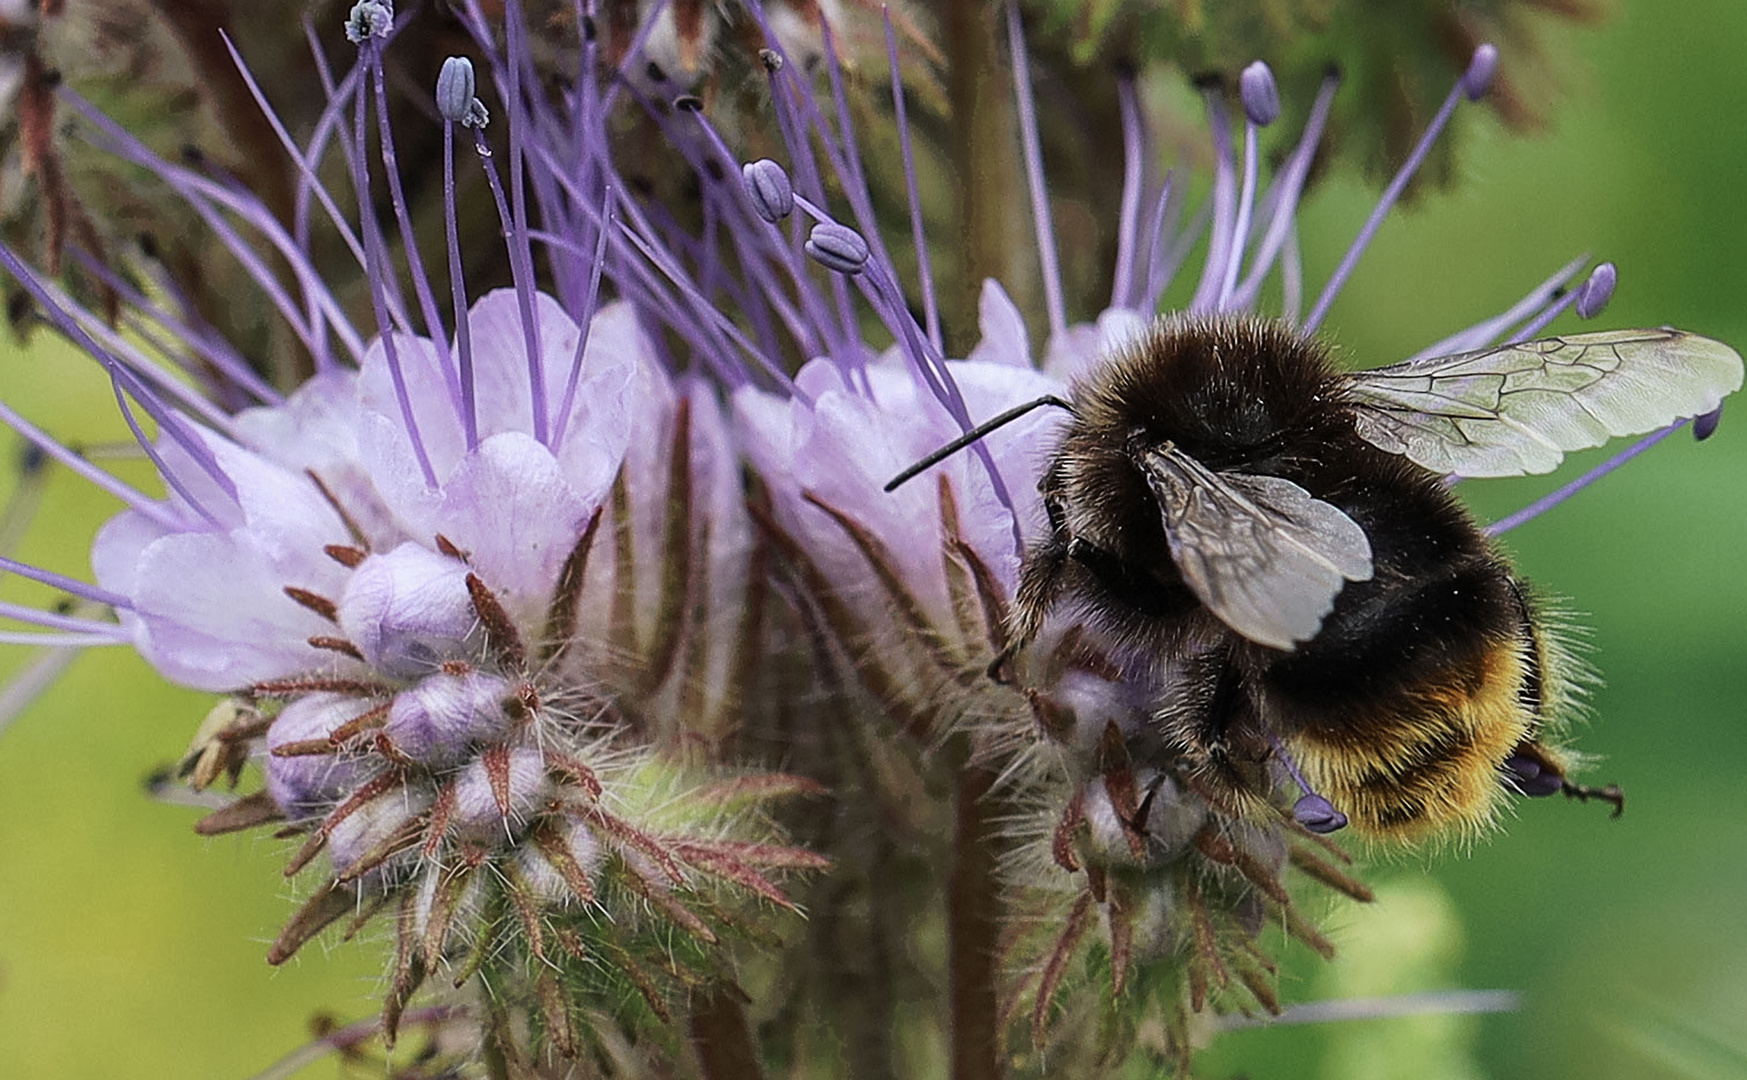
[1180,242]
[585,323]
[1133,162]
[847,153]
[104,632]
[1481,67]
[212,349]
[768,187]
[715,322]
[1261,106]
[1486,332]
[78,588]
[1705,424]
[99,479]
[309,182]
[1283,197]
[1041,223]
[517,59]
[1312,810]
[837,247]
[1596,289]
[421,280]
[1291,278]
[1594,294]
[1260,95]
[124,383]
[522,274]
[1549,501]
[128,353]
[754,244]
[1158,270]
[196,191]
[458,296]
[1472,83]
[1223,202]
[377,270]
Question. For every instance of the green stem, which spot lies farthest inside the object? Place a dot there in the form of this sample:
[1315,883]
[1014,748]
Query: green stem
[721,1038]
[983,161]
[973,928]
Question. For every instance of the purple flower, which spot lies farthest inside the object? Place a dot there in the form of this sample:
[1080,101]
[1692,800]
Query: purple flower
[529,605]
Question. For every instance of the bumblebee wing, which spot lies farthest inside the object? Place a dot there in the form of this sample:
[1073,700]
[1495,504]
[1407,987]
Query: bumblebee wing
[1259,551]
[1520,408]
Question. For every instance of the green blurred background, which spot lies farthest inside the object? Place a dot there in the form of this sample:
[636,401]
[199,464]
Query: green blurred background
[130,947]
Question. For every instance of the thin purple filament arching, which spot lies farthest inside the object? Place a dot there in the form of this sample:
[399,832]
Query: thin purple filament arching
[1384,204]
[1287,187]
[377,270]
[81,589]
[1241,228]
[1223,201]
[421,281]
[1134,146]
[1031,147]
[1487,331]
[1554,498]
[469,399]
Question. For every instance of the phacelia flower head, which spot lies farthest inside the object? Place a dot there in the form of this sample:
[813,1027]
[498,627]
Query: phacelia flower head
[528,605]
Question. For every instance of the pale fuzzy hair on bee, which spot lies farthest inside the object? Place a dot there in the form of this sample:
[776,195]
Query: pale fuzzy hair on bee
[1446,760]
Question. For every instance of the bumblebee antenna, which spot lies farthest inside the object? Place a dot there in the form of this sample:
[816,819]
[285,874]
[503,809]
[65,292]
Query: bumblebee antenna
[972,436]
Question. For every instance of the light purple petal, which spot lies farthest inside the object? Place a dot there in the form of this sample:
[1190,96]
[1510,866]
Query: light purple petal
[434,413]
[213,614]
[1004,339]
[509,506]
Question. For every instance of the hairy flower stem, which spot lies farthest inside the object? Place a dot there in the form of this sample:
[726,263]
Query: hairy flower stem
[983,162]
[720,1035]
[973,922]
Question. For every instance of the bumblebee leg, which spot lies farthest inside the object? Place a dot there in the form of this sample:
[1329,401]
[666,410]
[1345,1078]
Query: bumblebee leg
[1609,794]
[1040,580]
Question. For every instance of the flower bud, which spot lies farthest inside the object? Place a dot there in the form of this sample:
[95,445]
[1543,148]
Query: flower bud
[408,611]
[363,833]
[438,721]
[307,785]
[522,775]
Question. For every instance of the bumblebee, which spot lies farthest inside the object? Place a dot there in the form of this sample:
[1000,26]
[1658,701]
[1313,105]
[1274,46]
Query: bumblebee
[1277,541]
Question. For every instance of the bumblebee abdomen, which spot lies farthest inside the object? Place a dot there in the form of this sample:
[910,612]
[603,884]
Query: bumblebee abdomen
[1424,761]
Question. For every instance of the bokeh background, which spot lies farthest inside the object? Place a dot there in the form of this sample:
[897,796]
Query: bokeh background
[130,947]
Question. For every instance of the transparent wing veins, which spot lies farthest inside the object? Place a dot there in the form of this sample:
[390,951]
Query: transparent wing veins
[1520,408]
[1260,552]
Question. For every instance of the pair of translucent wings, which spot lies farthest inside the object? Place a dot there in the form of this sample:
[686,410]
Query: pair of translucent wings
[1269,559]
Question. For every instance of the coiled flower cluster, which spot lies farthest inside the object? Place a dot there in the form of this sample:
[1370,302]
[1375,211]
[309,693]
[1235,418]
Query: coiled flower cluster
[574,630]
